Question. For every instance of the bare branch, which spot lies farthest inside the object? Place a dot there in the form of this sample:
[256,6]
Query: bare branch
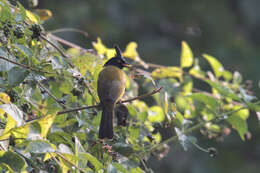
[69,30]
[99,105]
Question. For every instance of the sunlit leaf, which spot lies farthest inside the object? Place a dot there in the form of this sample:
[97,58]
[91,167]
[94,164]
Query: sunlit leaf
[20,133]
[225,91]
[186,55]
[31,16]
[239,124]
[215,65]
[155,114]
[167,72]
[4,98]
[187,86]
[130,51]
[120,168]
[207,100]
[99,46]
[45,124]
[93,160]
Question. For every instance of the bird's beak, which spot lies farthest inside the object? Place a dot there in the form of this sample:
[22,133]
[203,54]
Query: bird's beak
[126,65]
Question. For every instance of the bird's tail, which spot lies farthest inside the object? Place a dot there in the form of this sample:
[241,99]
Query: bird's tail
[106,124]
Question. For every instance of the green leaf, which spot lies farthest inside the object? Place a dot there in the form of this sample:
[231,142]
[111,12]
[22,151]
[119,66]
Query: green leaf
[123,148]
[215,65]
[24,50]
[239,124]
[13,160]
[120,168]
[225,91]
[186,55]
[93,160]
[16,75]
[207,100]
[39,146]
[5,14]
[155,114]
[22,11]
[196,71]
[253,106]
[5,65]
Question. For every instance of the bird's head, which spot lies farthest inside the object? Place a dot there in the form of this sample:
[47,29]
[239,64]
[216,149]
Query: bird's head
[118,61]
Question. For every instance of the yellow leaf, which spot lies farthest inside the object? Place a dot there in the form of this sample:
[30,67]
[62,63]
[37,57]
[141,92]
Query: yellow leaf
[44,14]
[130,51]
[215,65]
[4,98]
[10,124]
[49,156]
[156,114]
[45,124]
[110,53]
[31,16]
[99,46]
[186,55]
[167,72]
[20,133]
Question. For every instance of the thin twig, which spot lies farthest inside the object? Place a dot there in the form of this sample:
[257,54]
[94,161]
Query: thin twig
[25,66]
[99,105]
[70,30]
[58,49]
[51,95]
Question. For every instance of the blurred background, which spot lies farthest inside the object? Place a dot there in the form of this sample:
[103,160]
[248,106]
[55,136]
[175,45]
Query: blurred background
[226,29]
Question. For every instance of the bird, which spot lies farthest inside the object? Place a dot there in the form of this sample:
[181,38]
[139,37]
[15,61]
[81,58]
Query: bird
[111,85]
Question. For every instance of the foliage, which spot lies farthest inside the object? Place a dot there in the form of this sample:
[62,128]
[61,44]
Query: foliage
[40,84]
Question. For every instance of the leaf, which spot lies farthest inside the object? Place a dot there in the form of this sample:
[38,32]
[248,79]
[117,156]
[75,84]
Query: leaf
[22,11]
[207,100]
[130,51]
[123,148]
[13,160]
[9,125]
[155,114]
[239,124]
[39,146]
[215,65]
[167,72]
[14,112]
[4,98]
[31,16]
[225,91]
[93,160]
[99,46]
[16,75]
[24,50]
[186,55]
[5,65]
[45,124]
[253,106]
[196,71]
[120,168]
[20,133]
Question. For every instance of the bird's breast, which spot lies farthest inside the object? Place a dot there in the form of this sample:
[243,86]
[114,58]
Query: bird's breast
[111,84]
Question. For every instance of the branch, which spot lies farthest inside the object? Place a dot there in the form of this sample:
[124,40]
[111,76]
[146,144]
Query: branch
[70,30]
[51,95]
[193,128]
[67,43]
[58,49]
[99,105]
[25,66]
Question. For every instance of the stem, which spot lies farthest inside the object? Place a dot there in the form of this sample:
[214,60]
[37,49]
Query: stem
[58,49]
[25,66]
